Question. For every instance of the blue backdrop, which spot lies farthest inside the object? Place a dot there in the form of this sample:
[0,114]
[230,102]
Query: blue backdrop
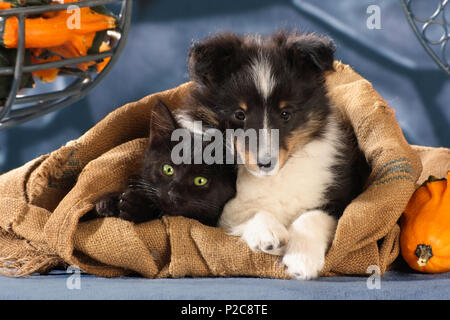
[162,30]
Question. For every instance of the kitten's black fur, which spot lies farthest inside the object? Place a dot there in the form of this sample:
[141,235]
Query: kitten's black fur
[152,193]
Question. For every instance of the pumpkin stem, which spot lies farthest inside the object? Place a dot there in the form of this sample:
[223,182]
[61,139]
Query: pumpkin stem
[432,179]
[424,253]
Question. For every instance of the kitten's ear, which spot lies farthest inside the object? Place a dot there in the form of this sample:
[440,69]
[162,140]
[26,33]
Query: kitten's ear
[162,123]
[213,60]
[312,49]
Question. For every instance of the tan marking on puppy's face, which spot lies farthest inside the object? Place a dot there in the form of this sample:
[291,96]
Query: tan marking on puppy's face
[283,155]
[297,139]
[243,105]
[283,104]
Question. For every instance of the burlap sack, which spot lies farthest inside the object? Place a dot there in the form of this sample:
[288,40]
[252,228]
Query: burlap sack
[42,201]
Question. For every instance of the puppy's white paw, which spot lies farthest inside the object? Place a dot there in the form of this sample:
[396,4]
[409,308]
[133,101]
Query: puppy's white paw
[265,233]
[304,264]
[310,235]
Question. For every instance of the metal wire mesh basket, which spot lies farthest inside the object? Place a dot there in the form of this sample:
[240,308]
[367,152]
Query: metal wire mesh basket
[429,19]
[432,31]
[19,107]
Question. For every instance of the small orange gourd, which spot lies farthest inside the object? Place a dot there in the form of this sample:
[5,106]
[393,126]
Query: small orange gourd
[425,227]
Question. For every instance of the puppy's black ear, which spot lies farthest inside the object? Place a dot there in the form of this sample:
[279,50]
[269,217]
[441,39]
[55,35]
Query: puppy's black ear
[213,60]
[162,123]
[311,48]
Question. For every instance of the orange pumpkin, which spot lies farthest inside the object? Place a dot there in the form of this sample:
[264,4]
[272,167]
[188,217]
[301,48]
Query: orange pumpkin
[425,227]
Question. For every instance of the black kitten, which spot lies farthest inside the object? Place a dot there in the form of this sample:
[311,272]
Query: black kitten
[197,191]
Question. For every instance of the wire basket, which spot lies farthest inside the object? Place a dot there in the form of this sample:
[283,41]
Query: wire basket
[438,23]
[21,107]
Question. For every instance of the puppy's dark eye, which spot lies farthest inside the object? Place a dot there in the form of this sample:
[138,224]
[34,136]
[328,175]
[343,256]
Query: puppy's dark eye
[239,115]
[285,115]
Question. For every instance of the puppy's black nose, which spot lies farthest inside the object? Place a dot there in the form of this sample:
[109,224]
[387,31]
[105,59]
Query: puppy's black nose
[264,165]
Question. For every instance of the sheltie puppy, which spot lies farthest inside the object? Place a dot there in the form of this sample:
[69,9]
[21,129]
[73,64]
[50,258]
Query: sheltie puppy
[288,202]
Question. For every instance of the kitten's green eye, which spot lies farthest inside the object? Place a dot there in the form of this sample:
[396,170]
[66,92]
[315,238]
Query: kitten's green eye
[167,169]
[200,181]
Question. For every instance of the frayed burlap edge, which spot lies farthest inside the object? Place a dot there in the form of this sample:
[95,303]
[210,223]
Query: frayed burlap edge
[19,257]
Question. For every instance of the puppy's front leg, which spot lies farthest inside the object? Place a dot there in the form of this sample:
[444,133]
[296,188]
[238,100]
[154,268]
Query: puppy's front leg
[310,235]
[263,232]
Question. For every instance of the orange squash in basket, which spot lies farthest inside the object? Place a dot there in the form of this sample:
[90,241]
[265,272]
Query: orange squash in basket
[58,30]
[5,5]
[47,75]
[425,227]
[53,36]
